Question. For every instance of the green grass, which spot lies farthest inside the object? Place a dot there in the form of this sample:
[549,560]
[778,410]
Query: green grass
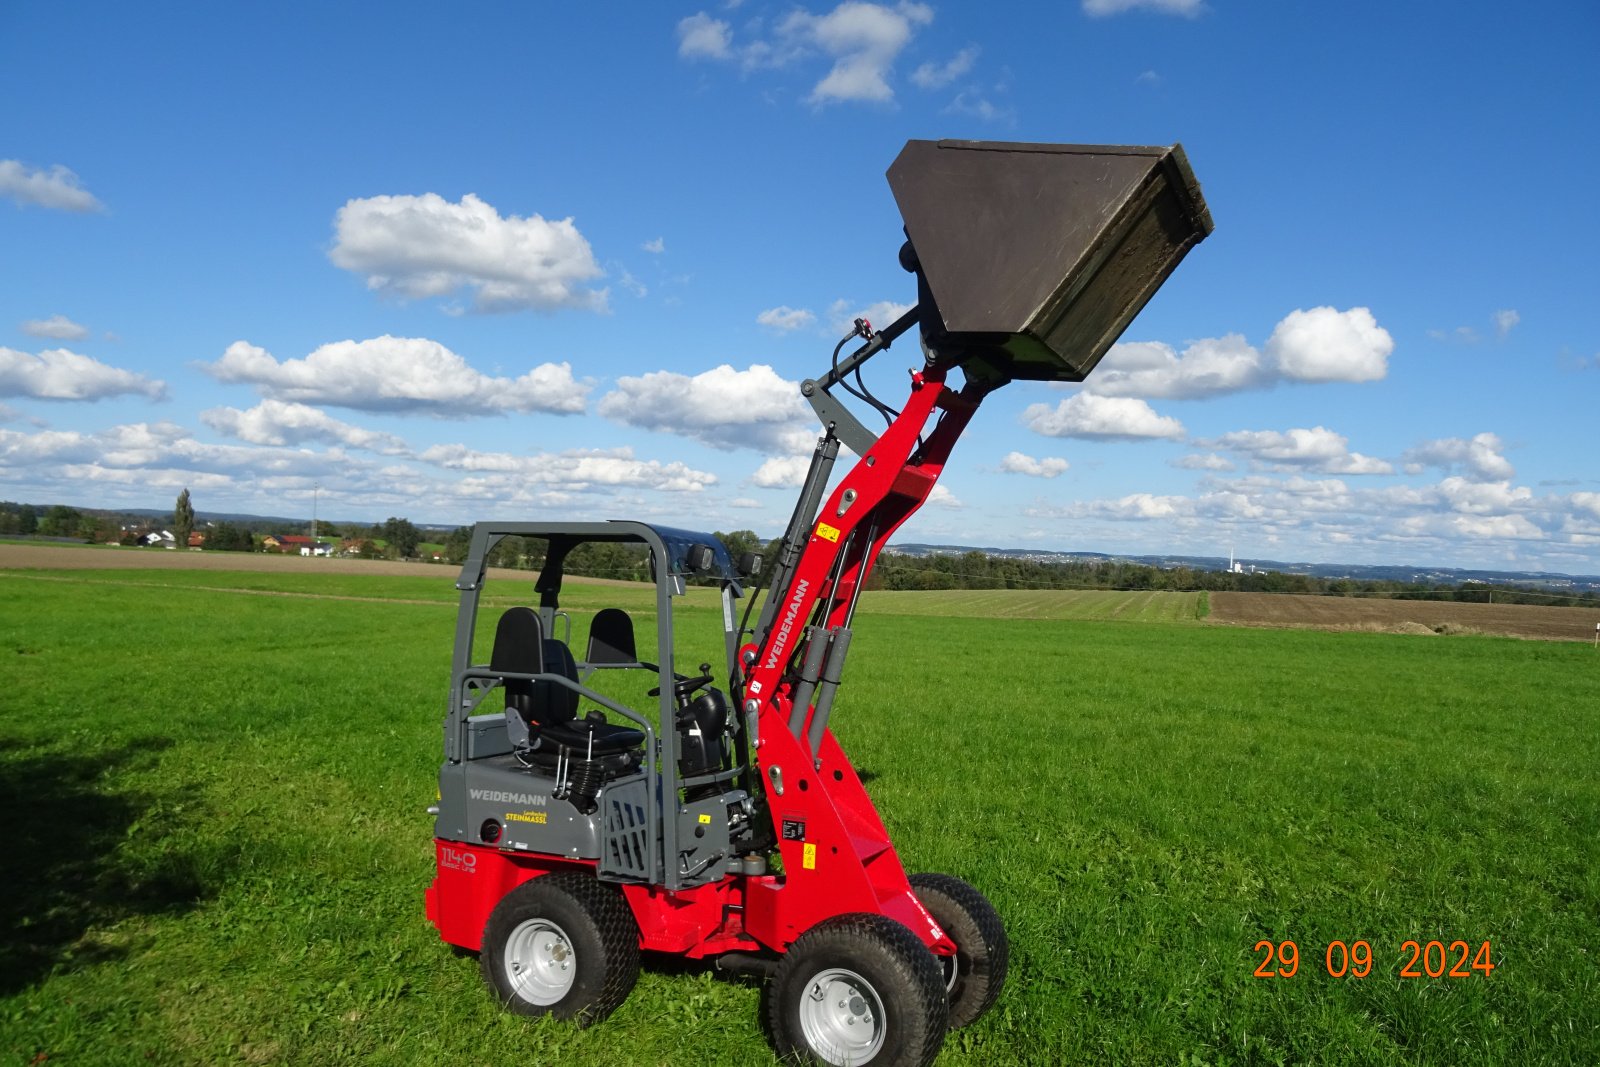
[218,843]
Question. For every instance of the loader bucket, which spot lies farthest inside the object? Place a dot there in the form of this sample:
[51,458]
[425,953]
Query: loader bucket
[1038,256]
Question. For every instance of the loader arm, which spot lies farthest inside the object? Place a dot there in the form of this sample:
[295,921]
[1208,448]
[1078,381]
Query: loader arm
[1029,260]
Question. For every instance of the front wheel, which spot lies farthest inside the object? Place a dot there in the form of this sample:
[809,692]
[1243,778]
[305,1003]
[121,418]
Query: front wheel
[975,975]
[564,945]
[858,989]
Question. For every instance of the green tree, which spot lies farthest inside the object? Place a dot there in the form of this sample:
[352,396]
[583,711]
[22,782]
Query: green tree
[403,537]
[183,519]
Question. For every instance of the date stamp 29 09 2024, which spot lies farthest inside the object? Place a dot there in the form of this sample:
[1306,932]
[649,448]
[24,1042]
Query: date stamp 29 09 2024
[1427,959]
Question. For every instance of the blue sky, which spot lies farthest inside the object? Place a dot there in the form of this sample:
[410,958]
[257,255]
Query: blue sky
[572,261]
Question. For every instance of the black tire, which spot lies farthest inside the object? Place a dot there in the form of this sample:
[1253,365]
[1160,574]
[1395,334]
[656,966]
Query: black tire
[858,989]
[564,945]
[977,972]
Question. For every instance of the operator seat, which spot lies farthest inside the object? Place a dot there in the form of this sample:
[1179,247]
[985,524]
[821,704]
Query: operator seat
[542,715]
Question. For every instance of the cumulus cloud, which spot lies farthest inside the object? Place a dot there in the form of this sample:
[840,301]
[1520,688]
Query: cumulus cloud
[577,470]
[782,472]
[1505,320]
[1327,345]
[1319,345]
[1100,8]
[56,327]
[1091,416]
[864,41]
[942,497]
[786,318]
[398,374]
[1206,368]
[53,187]
[1479,458]
[842,314]
[1020,463]
[277,422]
[1203,461]
[938,75]
[1319,449]
[722,407]
[58,374]
[702,37]
[425,246]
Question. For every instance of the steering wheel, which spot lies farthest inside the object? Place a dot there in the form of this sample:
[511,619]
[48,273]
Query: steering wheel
[684,688]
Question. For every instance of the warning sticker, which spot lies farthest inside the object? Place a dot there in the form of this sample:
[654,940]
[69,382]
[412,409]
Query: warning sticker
[809,859]
[826,532]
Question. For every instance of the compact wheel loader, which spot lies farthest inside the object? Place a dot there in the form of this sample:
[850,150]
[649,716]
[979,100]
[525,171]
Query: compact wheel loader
[718,818]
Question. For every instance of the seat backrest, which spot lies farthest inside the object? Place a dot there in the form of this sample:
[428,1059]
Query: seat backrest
[521,647]
[611,639]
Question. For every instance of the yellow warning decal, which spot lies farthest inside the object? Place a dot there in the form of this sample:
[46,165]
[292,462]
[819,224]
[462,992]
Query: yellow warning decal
[705,820]
[809,859]
[827,533]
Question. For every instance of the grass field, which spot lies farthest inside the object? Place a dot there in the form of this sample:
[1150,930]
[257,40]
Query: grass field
[216,784]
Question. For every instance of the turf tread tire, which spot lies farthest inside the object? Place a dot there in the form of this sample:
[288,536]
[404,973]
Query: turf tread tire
[604,936]
[904,974]
[983,952]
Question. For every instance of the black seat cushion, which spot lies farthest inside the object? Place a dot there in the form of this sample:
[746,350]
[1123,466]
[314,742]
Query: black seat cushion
[575,737]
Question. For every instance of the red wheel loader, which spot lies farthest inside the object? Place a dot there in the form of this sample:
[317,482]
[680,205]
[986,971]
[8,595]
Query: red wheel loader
[720,818]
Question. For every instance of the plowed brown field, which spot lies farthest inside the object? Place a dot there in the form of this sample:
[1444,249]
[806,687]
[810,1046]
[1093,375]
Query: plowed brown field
[1403,616]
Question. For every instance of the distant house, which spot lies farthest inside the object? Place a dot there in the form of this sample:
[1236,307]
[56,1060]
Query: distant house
[353,546]
[164,538]
[318,548]
[197,540]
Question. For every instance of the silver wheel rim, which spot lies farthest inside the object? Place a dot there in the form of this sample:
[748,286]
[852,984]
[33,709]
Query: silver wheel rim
[540,964]
[842,1017]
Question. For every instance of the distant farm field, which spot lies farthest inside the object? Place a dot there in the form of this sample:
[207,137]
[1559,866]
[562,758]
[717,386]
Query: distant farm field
[1404,616]
[215,784]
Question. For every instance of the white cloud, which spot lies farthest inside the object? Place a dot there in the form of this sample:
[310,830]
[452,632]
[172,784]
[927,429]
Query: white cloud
[782,472]
[938,75]
[1479,458]
[1047,467]
[1208,367]
[880,315]
[722,407]
[745,503]
[57,374]
[576,470]
[1326,345]
[1148,77]
[56,327]
[1505,320]
[942,497]
[398,374]
[702,37]
[1318,449]
[655,247]
[786,318]
[55,187]
[425,246]
[1088,415]
[1203,461]
[864,41]
[1188,8]
[276,422]
[975,104]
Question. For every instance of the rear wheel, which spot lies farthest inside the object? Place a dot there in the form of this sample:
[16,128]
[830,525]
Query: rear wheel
[564,945]
[858,989]
[975,975]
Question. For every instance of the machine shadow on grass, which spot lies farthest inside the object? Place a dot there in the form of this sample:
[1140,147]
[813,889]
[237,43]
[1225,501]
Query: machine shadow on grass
[83,855]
